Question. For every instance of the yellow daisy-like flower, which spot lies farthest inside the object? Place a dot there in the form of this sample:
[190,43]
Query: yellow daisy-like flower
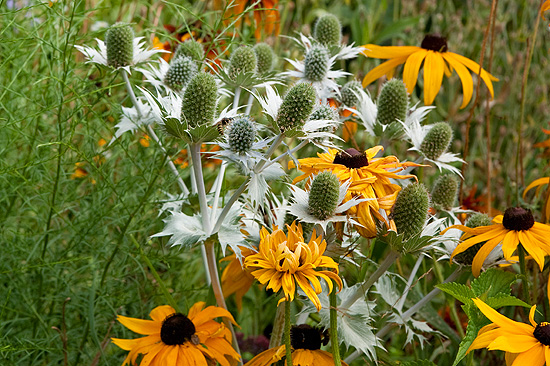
[306,349]
[524,344]
[544,8]
[437,61]
[284,261]
[175,339]
[516,226]
[369,177]
[236,279]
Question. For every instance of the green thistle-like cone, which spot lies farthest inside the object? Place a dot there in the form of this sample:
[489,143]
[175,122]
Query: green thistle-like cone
[316,63]
[411,210]
[323,195]
[467,257]
[180,73]
[119,41]
[393,102]
[437,140]
[199,100]
[241,135]
[348,94]
[444,192]
[307,228]
[327,30]
[190,48]
[265,57]
[296,107]
[324,112]
[242,60]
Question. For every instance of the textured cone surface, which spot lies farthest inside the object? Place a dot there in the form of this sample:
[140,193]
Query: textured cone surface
[316,63]
[467,257]
[324,112]
[265,57]
[437,140]
[296,107]
[393,102]
[328,30]
[199,100]
[242,60]
[323,195]
[348,93]
[444,192]
[190,48]
[180,73]
[411,210]
[241,135]
[119,42]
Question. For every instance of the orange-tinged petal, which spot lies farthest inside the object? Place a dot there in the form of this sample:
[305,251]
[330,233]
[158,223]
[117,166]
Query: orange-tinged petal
[412,67]
[513,343]
[502,321]
[382,69]
[434,67]
[532,315]
[534,357]
[140,326]
[536,183]
[161,312]
[210,313]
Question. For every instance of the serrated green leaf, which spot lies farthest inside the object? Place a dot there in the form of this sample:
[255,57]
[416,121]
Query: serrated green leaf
[471,334]
[493,282]
[505,300]
[459,291]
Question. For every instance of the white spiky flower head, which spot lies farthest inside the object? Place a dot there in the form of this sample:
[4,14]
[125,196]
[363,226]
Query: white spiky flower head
[131,48]
[303,205]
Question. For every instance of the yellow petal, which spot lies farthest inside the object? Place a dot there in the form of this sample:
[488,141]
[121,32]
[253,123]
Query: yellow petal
[502,321]
[530,245]
[532,315]
[535,183]
[513,343]
[534,357]
[374,51]
[161,312]
[382,69]
[509,244]
[434,67]
[412,67]
[465,79]
[474,66]
[482,254]
[140,326]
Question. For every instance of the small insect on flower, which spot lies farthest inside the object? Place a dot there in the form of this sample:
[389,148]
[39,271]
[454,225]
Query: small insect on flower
[176,339]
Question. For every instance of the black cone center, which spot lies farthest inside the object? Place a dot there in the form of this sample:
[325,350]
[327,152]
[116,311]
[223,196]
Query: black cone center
[176,329]
[518,219]
[351,158]
[305,337]
[542,333]
[434,42]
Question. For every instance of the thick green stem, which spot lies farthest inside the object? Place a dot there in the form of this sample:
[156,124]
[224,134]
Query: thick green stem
[335,344]
[288,346]
[278,328]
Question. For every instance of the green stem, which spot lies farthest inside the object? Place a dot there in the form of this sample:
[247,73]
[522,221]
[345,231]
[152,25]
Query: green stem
[524,280]
[278,328]
[334,328]
[288,346]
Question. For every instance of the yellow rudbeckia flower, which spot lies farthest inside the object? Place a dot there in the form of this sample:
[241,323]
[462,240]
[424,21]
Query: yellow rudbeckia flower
[524,344]
[177,339]
[437,61]
[516,226]
[284,261]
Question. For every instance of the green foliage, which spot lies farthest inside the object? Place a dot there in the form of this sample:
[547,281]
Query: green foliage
[416,363]
[493,287]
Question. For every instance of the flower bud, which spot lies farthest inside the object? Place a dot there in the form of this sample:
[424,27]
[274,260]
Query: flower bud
[437,140]
[199,100]
[410,210]
[241,134]
[348,94]
[190,48]
[467,257]
[444,192]
[265,57]
[296,107]
[393,102]
[242,60]
[119,41]
[180,73]
[328,30]
[316,63]
[323,195]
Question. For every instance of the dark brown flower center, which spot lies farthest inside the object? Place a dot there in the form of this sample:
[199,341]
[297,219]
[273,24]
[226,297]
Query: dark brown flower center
[305,337]
[542,333]
[177,329]
[518,219]
[434,42]
[351,158]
